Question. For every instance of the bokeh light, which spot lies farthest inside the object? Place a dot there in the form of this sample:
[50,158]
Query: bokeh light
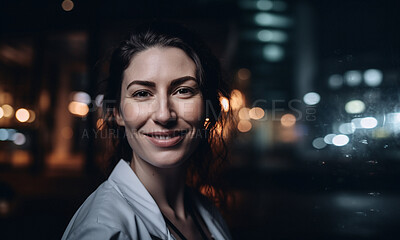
[19,139]
[3,134]
[340,140]
[244,126]
[272,36]
[264,35]
[11,133]
[288,120]
[311,98]
[67,5]
[81,97]
[32,116]
[271,20]
[78,108]
[256,113]
[328,138]
[373,77]
[353,78]
[273,53]
[244,114]
[369,122]
[1,112]
[22,115]
[8,111]
[264,5]
[244,74]
[335,81]
[319,143]
[355,107]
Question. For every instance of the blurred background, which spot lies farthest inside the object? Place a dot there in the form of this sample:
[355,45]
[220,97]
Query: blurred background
[316,92]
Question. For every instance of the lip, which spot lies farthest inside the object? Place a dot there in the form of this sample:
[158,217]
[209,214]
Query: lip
[165,139]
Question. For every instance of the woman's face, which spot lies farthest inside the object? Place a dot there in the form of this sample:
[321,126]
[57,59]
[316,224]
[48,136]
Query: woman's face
[161,107]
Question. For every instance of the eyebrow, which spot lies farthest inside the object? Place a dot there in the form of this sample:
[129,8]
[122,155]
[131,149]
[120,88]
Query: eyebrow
[174,82]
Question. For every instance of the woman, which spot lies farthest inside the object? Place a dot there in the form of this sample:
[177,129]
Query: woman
[162,95]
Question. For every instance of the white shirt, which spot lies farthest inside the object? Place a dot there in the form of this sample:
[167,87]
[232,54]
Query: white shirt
[122,208]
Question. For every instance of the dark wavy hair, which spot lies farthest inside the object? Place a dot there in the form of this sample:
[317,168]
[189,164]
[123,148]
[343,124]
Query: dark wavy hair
[208,160]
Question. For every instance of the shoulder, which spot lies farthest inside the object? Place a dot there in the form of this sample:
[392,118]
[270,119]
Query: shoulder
[211,214]
[104,214]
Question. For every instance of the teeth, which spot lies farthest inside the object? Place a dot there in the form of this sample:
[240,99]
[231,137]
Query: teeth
[162,137]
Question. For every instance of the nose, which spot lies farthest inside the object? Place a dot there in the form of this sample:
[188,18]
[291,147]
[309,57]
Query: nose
[164,113]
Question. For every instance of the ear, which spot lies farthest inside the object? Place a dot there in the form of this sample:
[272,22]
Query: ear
[118,117]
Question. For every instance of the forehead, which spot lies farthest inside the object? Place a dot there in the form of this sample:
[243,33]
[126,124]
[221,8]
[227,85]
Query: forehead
[160,63]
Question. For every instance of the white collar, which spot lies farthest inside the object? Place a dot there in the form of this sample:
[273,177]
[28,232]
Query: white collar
[137,196]
[143,204]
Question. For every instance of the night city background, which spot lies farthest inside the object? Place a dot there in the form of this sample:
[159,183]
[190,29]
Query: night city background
[315,92]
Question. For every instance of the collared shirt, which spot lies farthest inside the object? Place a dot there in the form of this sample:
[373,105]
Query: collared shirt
[122,208]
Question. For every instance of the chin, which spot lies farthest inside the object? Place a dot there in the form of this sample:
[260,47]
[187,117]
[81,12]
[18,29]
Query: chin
[171,160]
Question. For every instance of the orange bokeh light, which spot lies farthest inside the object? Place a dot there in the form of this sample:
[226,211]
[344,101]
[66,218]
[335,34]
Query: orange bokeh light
[244,114]
[288,120]
[244,126]
[244,74]
[22,115]
[256,113]
[78,108]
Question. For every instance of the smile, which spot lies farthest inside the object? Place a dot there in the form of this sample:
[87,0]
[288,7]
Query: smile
[165,139]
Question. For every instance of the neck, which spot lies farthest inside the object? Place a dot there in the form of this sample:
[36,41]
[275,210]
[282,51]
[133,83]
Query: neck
[165,185]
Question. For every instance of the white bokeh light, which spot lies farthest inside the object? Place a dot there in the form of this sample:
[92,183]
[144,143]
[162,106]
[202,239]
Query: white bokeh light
[273,53]
[319,143]
[335,81]
[353,78]
[311,98]
[264,5]
[373,77]
[81,97]
[19,139]
[272,20]
[328,138]
[369,122]
[3,134]
[271,36]
[340,140]
[11,133]
[355,107]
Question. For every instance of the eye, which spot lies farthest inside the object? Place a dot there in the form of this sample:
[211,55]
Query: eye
[185,91]
[141,94]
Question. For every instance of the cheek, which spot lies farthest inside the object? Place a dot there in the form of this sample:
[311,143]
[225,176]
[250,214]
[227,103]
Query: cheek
[133,113]
[192,111]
